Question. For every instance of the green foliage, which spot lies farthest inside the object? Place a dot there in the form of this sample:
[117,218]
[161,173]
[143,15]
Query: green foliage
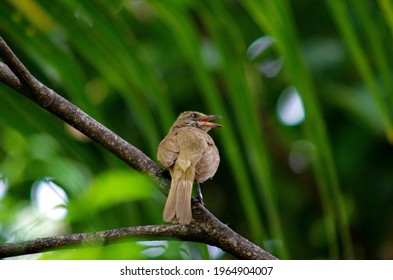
[321,188]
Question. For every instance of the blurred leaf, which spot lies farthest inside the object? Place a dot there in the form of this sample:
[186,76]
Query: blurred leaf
[340,13]
[276,18]
[117,186]
[121,251]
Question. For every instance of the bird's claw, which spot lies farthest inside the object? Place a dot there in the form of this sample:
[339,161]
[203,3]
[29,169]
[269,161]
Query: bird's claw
[200,199]
[200,196]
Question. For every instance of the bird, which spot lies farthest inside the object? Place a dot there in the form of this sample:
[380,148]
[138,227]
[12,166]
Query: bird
[190,154]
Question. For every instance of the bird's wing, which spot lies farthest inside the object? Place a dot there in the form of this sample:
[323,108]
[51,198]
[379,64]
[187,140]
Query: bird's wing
[168,150]
[208,164]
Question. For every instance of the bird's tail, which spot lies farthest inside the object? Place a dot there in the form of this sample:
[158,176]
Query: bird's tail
[178,204]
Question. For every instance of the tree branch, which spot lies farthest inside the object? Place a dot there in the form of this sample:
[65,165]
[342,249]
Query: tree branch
[204,225]
[15,75]
[204,228]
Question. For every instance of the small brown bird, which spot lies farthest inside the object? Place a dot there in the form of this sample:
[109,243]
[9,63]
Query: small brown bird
[190,155]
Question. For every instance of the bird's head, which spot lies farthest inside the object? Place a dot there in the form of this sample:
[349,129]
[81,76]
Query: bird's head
[196,119]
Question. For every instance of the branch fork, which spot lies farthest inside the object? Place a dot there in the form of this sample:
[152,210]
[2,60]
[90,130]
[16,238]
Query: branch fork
[204,228]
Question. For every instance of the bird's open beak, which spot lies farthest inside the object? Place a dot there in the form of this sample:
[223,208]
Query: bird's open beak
[205,119]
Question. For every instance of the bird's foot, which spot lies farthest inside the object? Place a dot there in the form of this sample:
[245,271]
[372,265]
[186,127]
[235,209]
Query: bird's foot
[200,199]
[200,196]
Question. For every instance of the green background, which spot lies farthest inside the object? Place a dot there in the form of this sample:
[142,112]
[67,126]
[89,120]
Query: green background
[321,189]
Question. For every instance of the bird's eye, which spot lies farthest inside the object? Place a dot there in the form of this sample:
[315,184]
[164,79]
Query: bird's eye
[194,115]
